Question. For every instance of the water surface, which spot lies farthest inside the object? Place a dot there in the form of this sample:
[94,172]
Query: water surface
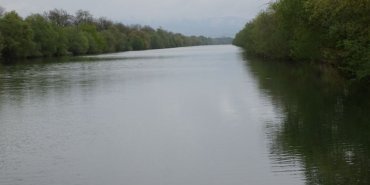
[198,115]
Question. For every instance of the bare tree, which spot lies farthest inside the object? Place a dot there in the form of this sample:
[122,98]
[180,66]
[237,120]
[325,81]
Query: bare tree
[83,17]
[59,17]
[103,23]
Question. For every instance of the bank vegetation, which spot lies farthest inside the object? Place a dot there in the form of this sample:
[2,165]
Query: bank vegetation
[58,33]
[330,31]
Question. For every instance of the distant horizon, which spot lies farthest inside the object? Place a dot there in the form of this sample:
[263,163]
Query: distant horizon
[222,26]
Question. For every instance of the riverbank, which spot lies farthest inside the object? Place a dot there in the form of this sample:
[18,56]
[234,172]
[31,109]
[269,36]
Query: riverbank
[209,112]
[310,30]
[58,33]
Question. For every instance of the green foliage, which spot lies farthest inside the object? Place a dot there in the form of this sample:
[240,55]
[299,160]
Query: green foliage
[78,42]
[58,33]
[156,42]
[109,41]
[62,42]
[312,128]
[120,42]
[17,36]
[1,43]
[139,40]
[336,32]
[44,36]
[95,40]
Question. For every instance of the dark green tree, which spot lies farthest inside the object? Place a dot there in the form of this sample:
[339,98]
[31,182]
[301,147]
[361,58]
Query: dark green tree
[96,40]
[62,42]
[44,36]
[78,42]
[139,40]
[1,44]
[156,42]
[17,36]
[57,33]
[335,32]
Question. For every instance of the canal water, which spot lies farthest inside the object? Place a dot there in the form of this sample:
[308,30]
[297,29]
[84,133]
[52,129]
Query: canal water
[207,115]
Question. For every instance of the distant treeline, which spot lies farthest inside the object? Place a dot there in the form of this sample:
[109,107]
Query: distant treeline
[331,31]
[58,33]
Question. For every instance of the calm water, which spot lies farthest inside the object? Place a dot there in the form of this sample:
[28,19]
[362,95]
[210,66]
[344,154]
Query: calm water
[186,116]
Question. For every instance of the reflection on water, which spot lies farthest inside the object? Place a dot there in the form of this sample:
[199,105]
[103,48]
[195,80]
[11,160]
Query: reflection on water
[325,126]
[162,117]
[196,115]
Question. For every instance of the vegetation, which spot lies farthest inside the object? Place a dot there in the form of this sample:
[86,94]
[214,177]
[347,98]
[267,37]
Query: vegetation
[58,33]
[323,123]
[335,32]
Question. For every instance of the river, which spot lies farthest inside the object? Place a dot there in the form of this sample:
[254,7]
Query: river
[207,115]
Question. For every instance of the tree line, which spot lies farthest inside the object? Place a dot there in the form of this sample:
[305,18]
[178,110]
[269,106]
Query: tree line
[330,31]
[58,33]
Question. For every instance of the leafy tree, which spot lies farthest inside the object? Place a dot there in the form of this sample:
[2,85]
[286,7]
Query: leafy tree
[347,31]
[96,40]
[115,40]
[2,11]
[44,36]
[335,32]
[17,36]
[121,41]
[139,40]
[1,43]
[178,40]
[57,33]
[78,42]
[62,42]
[109,41]
[156,42]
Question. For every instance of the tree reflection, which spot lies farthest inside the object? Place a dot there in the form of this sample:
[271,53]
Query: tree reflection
[40,78]
[325,124]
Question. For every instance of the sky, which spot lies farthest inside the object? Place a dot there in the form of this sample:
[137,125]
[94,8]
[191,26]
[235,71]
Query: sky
[213,18]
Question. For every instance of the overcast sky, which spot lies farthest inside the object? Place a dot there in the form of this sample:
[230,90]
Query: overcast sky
[191,17]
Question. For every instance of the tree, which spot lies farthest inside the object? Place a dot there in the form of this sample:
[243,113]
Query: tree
[96,43]
[103,24]
[78,42]
[17,36]
[83,17]
[44,36]
[62,42]
[121,41]
[335,32]
[2,11]
[57,33]
[1,43]
[347,33]
[139,40]
[156,42]
[59,17]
